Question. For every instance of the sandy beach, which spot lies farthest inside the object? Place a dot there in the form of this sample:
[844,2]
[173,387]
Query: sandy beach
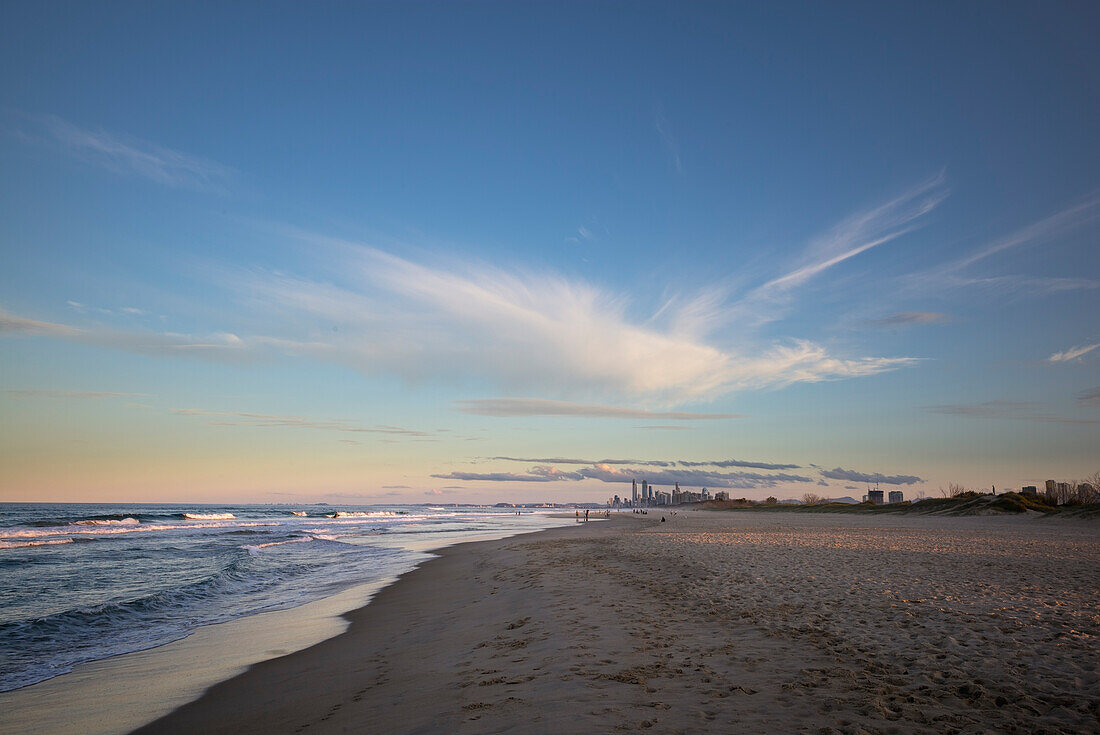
[710,622]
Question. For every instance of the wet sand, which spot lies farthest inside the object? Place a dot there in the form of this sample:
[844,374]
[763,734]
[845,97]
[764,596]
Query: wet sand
[113,696]
[711,622]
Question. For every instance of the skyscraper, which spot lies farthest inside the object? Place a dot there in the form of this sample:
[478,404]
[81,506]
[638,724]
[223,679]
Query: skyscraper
[634,494]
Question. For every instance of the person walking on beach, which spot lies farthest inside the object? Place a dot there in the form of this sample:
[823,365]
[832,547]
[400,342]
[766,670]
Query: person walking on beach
[586,515]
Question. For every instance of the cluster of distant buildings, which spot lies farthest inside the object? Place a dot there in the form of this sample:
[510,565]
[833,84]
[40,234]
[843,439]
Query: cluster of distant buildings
[1065,493]
[874,497]
[644,495]
[648,496]
[1052,487]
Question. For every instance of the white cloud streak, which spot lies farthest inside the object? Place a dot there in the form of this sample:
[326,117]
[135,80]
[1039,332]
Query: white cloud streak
[908,318]
[222,346]
[1013,410]
[78,395]
[241,418]
[1083,213]
[664,129]
[955,274]
[855,235]
[510,407]
[531,332]
[1072,353]
[534,331]
[134,157]
[523,331]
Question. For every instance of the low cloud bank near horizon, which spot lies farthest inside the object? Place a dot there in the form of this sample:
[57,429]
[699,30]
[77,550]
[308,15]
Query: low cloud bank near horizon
[654,462]
[614,474]
[840,473]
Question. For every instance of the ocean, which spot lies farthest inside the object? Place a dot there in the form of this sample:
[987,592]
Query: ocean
[84,582]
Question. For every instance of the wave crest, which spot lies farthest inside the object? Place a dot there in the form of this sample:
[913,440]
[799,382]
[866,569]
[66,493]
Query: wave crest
[362,514]
[25,544]
[107,522]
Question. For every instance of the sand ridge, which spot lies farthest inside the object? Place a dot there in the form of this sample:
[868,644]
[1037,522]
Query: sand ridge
[711,622]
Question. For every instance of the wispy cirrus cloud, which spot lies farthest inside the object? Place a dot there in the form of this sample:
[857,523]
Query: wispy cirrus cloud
[854,235]
[536,332]
[573,460]
[1014,410]
[1089,397]
[130,156]
[540,331]
[908,319]
[496,477]
[839,473]
[1073,353]
[513,407]
[21,394]
[740,463]
[959,273]
[672,145]
[81,308]
[985,408]
[11,324]
[1079,214]
[221,346]
[242,418]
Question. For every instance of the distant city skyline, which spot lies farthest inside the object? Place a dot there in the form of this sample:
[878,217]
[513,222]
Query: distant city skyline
[412,252]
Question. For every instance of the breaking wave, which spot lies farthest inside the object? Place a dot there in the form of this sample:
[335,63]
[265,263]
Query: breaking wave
[26,544]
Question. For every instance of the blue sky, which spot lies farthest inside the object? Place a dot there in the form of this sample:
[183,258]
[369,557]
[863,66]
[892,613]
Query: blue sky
[362,252]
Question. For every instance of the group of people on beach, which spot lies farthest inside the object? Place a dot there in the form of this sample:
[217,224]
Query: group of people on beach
[605,514]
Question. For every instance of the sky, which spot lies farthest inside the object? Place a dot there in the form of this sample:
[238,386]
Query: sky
[483,252]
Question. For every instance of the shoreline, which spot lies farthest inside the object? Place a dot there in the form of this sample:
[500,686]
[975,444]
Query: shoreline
[711,622]
[116,694]
[246,703]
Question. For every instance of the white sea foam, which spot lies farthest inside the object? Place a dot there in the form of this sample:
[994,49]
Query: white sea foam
[108,522]
[209,516]
[362,514]
[255,548]
[115,530]
[25,544]
[297,512]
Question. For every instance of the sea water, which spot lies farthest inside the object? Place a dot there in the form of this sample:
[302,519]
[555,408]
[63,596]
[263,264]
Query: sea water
[83,582]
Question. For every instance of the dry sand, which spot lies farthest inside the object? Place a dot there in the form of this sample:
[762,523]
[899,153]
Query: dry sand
[711,622]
